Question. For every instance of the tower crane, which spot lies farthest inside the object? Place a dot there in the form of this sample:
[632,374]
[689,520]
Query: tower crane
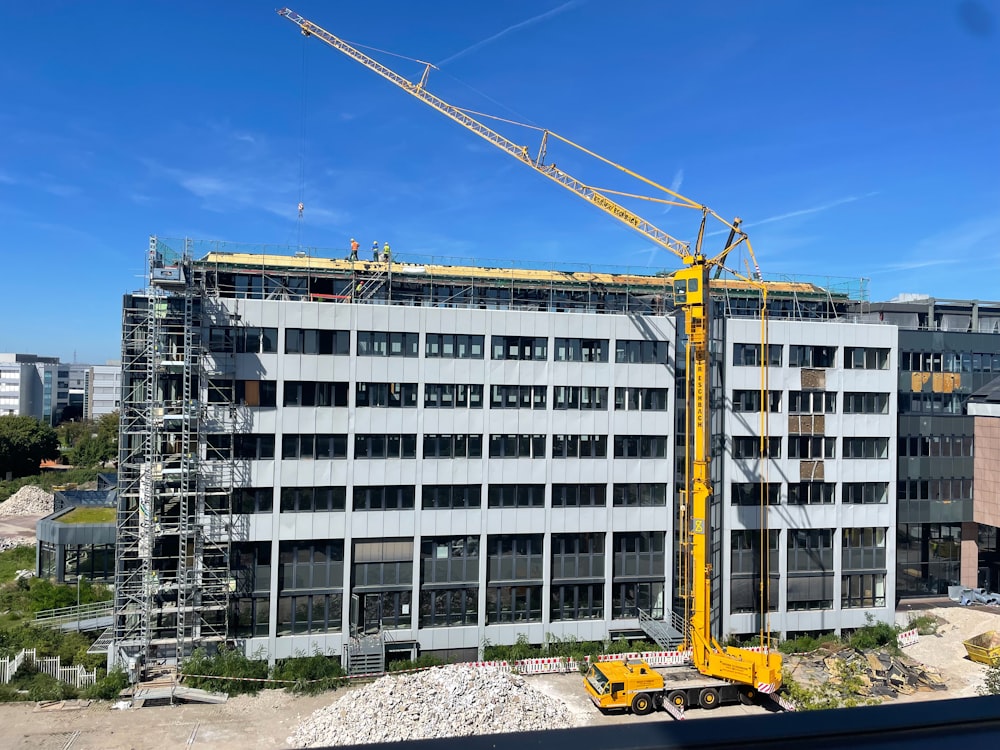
[756,670]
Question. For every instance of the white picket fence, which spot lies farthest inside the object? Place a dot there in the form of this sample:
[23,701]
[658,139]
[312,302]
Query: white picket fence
[76,675]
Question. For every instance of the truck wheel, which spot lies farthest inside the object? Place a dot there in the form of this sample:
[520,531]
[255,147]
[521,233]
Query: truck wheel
[678,698]
[708,698]
[642,704]
[748,696]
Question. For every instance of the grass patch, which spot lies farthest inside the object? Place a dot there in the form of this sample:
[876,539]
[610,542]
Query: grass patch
[88,515]
[13,560]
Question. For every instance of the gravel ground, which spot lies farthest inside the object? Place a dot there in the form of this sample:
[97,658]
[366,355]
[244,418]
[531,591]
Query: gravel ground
[945,652]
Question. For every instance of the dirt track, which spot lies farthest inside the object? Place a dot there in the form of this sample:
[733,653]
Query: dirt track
[265,721]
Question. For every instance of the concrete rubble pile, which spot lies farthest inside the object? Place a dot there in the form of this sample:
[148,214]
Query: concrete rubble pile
[881,674]
[27,501]
[451,701]
[10,542]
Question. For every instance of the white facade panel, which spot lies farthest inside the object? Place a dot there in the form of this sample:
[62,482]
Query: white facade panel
[830,517]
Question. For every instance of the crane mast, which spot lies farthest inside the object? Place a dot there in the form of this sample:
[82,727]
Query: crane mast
[761,670]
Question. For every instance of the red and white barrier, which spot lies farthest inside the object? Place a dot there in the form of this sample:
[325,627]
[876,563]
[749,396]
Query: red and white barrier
[907,638]
[652,658]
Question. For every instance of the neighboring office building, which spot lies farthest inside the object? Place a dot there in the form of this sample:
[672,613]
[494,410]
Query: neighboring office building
[43,387]
[472,455]
[75,408]
[103,392]
[33,386]
[55,392]
[948,349]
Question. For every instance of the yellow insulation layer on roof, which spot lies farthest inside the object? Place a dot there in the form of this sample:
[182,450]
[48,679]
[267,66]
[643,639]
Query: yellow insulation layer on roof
[306,263]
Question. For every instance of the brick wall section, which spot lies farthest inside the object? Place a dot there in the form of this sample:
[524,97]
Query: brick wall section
[986,494]
[969,575]
[986,472]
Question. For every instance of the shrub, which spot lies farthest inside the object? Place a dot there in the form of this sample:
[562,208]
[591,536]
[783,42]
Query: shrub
[42,687]
[311,674]
[874,635]
[424,661]
[9,694]
[924,624]
[841,691]
[801,645]
[108,687]
[522,649]
[570,648]
[227,671]
[32,685]
[567,647]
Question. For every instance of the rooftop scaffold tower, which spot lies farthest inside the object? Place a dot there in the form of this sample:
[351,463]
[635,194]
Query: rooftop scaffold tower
[172,579]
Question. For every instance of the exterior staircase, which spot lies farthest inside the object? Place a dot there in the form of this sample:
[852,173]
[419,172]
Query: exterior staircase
[100,646]
[369,285]
[667,634]
[366,655]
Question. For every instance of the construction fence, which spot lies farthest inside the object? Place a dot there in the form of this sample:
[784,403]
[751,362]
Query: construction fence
[76,675]
[559,665]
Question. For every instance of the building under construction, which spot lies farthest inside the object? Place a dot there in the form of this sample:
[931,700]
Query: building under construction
[367,457]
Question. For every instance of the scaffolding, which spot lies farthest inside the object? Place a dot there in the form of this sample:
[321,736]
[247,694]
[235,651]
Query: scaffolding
[172,579]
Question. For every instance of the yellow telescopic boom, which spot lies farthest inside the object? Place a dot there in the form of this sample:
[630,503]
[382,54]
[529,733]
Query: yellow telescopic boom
[762,670]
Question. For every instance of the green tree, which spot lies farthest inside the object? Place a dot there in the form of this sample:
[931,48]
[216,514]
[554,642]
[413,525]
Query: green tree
[24,443]
[92,443]
[71,433]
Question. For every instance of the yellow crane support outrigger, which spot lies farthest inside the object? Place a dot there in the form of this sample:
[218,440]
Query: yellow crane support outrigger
[756,669]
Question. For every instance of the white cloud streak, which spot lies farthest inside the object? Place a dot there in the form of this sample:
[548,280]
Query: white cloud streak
[221,194]
[508,30]
[976,239]
[813,210]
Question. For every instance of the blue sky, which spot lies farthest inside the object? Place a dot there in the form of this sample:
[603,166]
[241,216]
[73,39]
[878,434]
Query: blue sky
[855,139]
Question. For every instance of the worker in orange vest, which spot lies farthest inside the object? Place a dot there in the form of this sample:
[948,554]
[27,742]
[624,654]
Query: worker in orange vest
[354,249]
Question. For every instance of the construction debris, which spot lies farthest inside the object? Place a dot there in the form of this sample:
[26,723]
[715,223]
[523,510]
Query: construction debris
[451,701]
[967,596]
[28,501]
[874,673]
[10,542]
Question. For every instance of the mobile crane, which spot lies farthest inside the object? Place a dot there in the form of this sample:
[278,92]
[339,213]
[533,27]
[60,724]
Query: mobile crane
[637,686]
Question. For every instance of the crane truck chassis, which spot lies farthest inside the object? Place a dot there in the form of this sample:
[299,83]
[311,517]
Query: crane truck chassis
[636,686]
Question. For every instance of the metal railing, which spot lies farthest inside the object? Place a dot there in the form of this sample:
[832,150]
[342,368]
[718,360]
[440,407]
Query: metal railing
[78,614]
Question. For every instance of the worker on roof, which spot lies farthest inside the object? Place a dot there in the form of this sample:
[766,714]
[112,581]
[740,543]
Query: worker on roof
[386,254]
[354,249]
[375,250]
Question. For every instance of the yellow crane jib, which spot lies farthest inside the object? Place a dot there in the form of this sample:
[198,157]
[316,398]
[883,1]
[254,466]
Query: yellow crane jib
[752,668]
